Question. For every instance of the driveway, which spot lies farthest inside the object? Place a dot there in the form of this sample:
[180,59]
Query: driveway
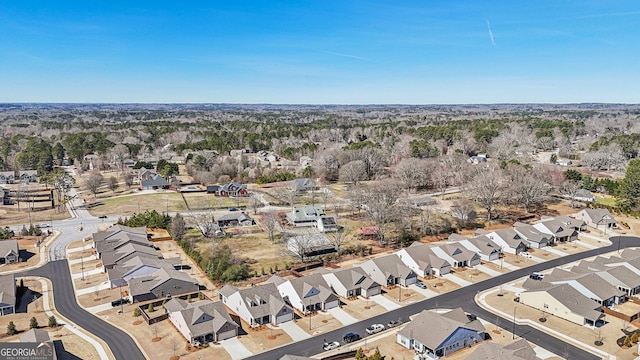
[342,316]
[293,330]
[505,265]
[384,302]
[235,348]
[488,270]
[457,280]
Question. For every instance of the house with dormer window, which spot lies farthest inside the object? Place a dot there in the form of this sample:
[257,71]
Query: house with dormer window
[351,282]
[308,294]
[257,305]
[201,322]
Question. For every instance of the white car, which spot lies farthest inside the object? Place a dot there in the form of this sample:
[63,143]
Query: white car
[526,254]
[331,345]
[375,328]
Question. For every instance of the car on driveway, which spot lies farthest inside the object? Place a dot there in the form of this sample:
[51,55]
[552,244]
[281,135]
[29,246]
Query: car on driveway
[526,254]
[374,329]
[102,217]
[536,276]
[420,284]
[350,337]
[44,225]
[233,209]
[331,345]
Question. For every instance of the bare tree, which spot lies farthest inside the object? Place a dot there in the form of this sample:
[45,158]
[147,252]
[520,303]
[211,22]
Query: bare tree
[525,187]
[112,183]
[270,222]
[464,212]
[255,203]
[353,171]
[379,202]
[570,188]
[487,188]
[299,244]
[118,154]
[93,182]
[338,238]
[128,178]
[413,173]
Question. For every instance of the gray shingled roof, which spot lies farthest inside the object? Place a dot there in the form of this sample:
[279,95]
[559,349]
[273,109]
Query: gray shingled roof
[36,336]
[201,317]
[392,265]
[261,300]
[424,256]
[9,246]
[354,277]
[531,233]
[8,290]
[575,301]
[432,329]
[518,350]
[304,285]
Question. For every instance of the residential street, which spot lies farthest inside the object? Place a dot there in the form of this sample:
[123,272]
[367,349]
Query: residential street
[463,297]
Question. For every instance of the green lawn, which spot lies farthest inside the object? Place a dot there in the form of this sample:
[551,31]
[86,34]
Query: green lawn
[608,201]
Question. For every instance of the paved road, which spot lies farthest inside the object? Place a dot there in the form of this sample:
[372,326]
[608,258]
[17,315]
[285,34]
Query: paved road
[463,297]
[121,344]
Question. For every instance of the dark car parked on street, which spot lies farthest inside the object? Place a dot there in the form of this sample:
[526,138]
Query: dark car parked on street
[351,337]
[120,302]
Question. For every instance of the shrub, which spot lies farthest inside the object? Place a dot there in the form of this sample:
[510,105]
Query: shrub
[52,321]
[33,323]
[150,308]
[136,312]
[11,328]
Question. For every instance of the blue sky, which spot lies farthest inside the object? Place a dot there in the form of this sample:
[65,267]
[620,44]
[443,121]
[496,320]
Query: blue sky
[319,52]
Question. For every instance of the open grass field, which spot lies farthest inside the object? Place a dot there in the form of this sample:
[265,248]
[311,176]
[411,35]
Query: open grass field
[137,203]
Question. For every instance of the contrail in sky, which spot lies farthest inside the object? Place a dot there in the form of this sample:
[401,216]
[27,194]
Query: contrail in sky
[490,33]
[347,56]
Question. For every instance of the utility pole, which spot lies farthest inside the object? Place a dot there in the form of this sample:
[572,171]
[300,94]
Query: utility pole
[513,333]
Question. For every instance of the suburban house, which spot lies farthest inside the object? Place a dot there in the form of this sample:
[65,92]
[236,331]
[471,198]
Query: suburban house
[117,236]
[563,162]
[7,177]
[597,218]
[302,185]
[257,305]
[125,252]
[583,195]
[456,255]
[535,238]
[351,282]
[161,283]
[138,266]
[155,182]
[7,294]
[310,244]
[567,221]
[28,176]
[237,219]
[210,229]
[434,335]
[327,224]
[590,285]
[516,350]
[309,293]
[233,189]
[557,230]
[213,189]
[389,270]
[42,344]
[305,215]
[565,302]
[508,239]
[481,245]
[423,261]
[201,322]
[9,251]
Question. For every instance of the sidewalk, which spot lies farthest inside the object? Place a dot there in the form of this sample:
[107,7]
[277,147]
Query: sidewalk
[104,286]
[488,271]
[584,244]
[554,251]
[87,273]
[506,265]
